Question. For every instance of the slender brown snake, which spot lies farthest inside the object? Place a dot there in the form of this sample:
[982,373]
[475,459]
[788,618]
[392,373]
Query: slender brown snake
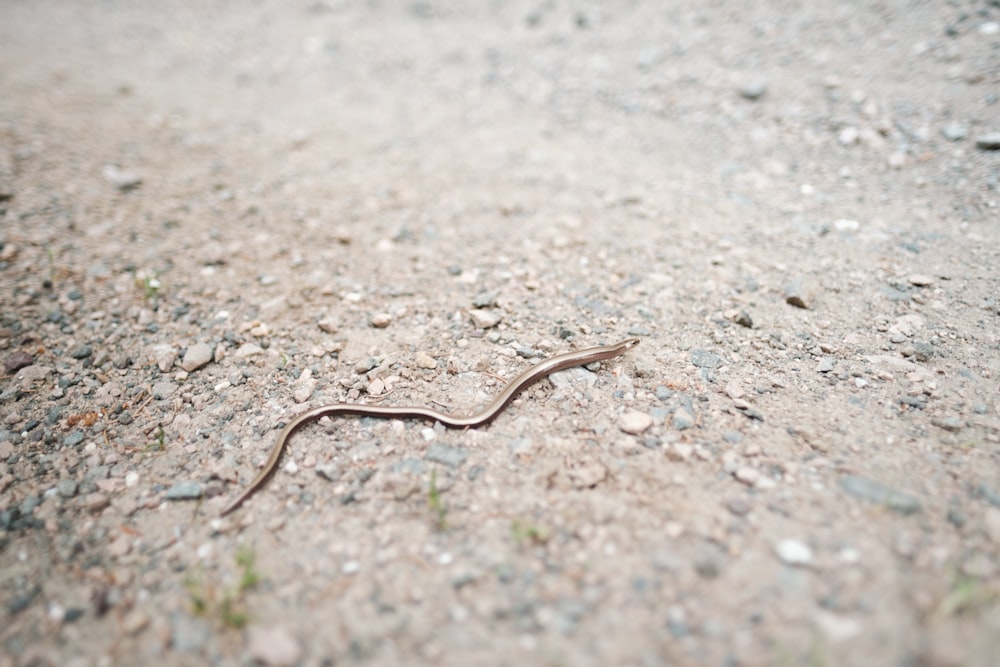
[512,389]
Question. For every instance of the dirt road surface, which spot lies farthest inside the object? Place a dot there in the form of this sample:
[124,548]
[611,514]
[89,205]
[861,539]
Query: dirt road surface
[214,216]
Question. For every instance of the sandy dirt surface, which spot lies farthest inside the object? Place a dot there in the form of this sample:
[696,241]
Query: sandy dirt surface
[214,216]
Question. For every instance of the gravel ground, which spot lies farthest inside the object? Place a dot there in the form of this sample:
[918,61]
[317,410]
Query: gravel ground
[215,217]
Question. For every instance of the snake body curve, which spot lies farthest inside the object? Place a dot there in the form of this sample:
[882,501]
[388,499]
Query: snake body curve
[510,390]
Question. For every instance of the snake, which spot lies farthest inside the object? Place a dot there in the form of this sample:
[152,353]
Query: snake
[511,389]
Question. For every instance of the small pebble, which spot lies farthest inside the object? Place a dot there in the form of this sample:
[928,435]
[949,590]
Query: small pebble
[164,356]
[485,300]
[248,350]
[634,422]
[705,359]
[826,364]
[82,352]
[573,377]
[163,389]
[747,475]
[304,387]
[848,136]
[96,502]
[588,476]
[381,320]
[67,487]
[794,552]
[954,132]
[753,90]
[328,471]
[122,179]
[328,325]
[846,226]
[196,356]
[190,490]
[799,292]
[738,506]
[682,419]
[426,361]
[743,319]
[988,142]
[679,451]
[16,361]
[920,280]
[450,456]
[485,319]
[950,423]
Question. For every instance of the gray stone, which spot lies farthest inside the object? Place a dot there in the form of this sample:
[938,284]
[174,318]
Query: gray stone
[408,466]
[329,471]
[988,142]
[577,376]
[826,364]
[744,320]
[876,492]
[705,359]
[190,490]
[683,419]
[738,506]
[68,487]
[991,496]
[951,423]
[96,473]
[29,504]
[954,132]
[753,90]
[82,352]
[73,439]
[485,300]
[450,456]
[163,389]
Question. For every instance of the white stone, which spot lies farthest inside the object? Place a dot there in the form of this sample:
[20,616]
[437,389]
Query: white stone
[794,552]
[485,319]
[634,422]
